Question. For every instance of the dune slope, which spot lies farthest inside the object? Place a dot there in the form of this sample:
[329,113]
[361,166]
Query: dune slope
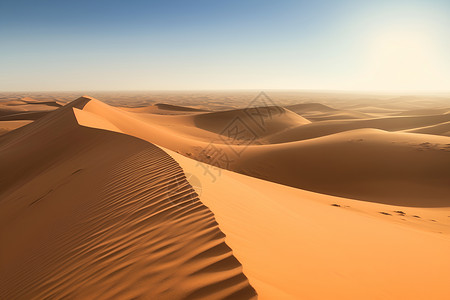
[366,164]
[295,244]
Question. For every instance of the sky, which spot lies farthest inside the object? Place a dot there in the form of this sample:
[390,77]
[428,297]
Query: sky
[385,45]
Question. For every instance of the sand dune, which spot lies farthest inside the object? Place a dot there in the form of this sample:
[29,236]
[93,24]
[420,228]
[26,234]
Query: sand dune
[256,122]
[366,164]
[104,202]
[81,221]
[338,115]
[321,112]
[7,108]
[164,106]
[424,112]
[319,129]
[26,109]
[161,108]
[27,102]
[374,110]
[309,107]
[438,129]
[32,101]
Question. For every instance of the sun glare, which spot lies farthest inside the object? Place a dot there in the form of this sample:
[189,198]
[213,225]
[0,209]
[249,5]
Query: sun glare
[403,48]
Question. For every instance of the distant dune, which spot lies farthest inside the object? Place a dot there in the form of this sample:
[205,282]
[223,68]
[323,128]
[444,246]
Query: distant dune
[321,112]
[438,129]
[164,106]
[309,107]
[161,108]
[366,164]
[25,109]
[258,123]
[101,202]
[319,129]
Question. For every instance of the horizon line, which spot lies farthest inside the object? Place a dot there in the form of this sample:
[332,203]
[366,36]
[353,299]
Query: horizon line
[355,91]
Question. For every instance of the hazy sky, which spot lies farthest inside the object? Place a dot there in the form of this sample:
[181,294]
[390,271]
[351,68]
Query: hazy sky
[173,45]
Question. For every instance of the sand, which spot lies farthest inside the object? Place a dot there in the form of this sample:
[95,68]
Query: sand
[101,202]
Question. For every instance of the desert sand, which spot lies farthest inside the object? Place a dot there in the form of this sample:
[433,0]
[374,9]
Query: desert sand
[213,195]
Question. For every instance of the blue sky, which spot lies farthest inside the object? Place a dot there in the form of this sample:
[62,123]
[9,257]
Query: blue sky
[192,45]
